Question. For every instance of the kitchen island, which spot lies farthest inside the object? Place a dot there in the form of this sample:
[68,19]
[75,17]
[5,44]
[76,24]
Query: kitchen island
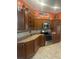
[27,47]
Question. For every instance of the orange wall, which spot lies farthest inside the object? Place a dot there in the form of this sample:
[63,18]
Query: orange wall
[52,15]
[46,16]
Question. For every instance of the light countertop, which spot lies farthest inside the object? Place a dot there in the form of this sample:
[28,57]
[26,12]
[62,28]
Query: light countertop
[30,38]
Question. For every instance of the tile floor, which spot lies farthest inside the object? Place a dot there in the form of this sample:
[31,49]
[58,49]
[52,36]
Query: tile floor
[51,51]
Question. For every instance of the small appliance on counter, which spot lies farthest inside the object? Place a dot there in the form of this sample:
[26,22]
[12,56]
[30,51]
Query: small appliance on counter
[46,31]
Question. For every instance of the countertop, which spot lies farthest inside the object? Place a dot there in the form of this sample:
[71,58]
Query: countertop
[30,38]
[22,35]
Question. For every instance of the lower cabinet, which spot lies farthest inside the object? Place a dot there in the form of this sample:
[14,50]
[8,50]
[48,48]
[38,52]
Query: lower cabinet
[56,38]
[21,51]
[39,43]
[28,49]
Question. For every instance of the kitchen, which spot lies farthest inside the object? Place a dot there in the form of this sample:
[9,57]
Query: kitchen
[38,29]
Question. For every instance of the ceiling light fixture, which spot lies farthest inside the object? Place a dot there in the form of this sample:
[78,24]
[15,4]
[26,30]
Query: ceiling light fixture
[56,7]
[42,4]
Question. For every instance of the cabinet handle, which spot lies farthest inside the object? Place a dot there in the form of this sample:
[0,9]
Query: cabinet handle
[22,44]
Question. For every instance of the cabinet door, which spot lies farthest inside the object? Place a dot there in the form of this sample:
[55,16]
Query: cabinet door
[36,45]
[29,49]
[20,51]
[57,36]
[42,40]
[39,42]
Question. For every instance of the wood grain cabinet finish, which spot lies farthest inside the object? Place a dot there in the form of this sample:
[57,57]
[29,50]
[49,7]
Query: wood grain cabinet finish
[39,43]
[27,49]
[56,38]
[57,30]
[21,51]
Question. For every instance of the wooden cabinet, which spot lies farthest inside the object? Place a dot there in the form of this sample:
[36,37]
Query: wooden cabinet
[38,23]
[39,42]
[36,45]
[21,51]
[56,38]
[29,49]
[26,49]
[57,30]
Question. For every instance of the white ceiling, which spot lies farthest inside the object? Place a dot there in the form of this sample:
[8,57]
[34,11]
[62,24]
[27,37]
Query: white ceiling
[46,5]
